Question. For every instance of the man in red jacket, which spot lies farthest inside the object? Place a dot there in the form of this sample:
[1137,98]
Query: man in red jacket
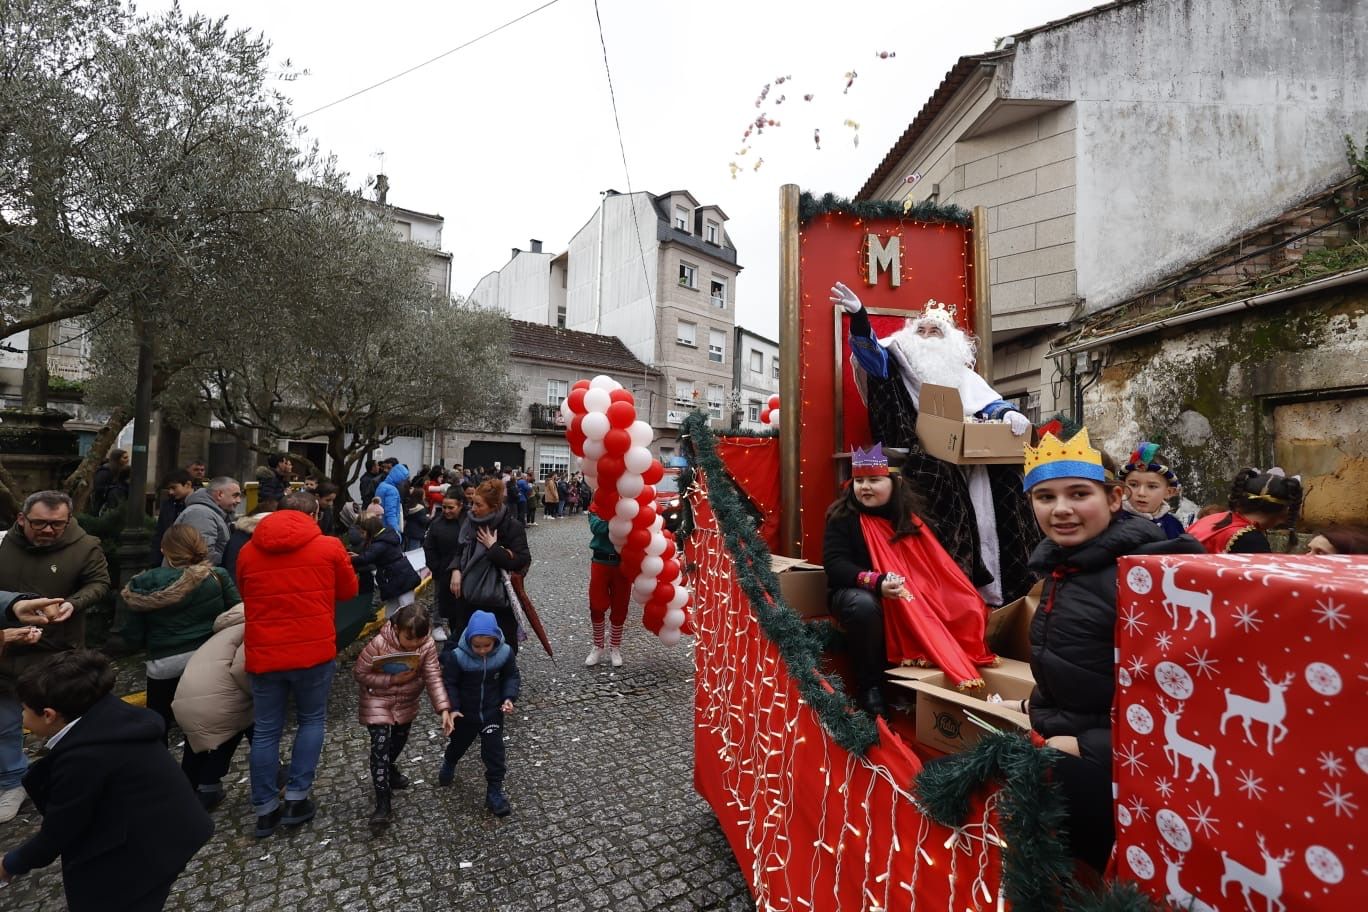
[291,578]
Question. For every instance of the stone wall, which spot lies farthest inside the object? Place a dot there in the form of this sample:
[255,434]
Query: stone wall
[1284,382]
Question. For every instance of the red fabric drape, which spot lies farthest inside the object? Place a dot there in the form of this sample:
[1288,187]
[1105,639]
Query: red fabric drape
[753,463]
[943,620]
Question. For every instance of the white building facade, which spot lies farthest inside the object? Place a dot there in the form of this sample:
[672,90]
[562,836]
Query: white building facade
[755,377]
[1113,146]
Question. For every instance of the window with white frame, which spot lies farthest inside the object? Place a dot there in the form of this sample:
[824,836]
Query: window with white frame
[553,457]
[681,218]
[717,346]
[718,291]
[757,362]
[560,315]
[688,275]
[556,391]
[684,393]
[686,333]
[774,367]
[715,395]
[712,232]
[753,409]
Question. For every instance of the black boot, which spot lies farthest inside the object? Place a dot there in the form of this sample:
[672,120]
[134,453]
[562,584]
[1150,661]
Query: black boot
[380,817]
[397,780]
[496,801]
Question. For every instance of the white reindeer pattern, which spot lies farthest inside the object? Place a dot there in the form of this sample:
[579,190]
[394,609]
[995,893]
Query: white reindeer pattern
[1176,893]
[1271,711]
[1176,597]
[1202,756]
[1267,884]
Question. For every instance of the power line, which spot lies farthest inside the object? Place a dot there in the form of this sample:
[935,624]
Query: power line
[622,147]
[419,66]
[22,351]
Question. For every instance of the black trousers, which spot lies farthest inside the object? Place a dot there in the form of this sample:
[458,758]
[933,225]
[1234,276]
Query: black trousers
[387,743]
[206,769]
[1087,789]
[468,728]
[152,901]
[160,694]
[861,615]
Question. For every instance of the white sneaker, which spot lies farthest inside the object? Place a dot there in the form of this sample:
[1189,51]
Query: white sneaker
[616,655]
[439,634]
[594,655]
[11,800]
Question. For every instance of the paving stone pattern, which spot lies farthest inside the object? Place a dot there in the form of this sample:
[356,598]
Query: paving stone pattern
[600,778]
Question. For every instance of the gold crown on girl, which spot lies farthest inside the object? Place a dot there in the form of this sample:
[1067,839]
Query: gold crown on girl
[1055,458]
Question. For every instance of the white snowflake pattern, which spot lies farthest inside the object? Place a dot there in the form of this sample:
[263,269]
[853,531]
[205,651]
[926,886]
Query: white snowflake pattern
[1252,785]
[1137,667]
[1164,641]
[1132,758]
[1335,797]
[1138,809]
[1330,764]
[1133,620]
[1331,614]
[1201,664]
[1247,619]
[1164,787]
[1202,820]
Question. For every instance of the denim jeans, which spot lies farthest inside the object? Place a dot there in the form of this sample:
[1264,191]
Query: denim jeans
[13,763]
[270,694]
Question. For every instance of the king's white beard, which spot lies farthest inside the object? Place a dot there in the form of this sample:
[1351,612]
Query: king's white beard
[942,361]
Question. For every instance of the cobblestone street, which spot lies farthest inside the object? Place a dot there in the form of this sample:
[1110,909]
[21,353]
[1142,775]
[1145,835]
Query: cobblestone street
[600,777]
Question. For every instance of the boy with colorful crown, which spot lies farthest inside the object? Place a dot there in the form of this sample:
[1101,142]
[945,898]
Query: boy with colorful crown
[1150,485]
[1077,502]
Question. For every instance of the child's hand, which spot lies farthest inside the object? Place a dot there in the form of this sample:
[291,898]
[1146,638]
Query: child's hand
[20,635]
[507,706]
[1066,743]
[448,722]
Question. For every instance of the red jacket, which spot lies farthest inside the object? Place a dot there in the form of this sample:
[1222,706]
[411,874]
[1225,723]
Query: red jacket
[291,577]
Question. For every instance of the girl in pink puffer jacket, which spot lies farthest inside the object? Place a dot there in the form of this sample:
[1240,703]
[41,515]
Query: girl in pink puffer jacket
[389,697]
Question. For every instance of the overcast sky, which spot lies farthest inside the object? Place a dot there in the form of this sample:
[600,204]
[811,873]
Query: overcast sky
[513,138]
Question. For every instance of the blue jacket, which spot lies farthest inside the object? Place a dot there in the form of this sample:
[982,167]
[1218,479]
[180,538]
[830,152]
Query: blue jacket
[392,498]
[477,685]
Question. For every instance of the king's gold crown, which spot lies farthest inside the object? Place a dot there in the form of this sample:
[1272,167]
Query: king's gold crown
[1055,458]
[940,310]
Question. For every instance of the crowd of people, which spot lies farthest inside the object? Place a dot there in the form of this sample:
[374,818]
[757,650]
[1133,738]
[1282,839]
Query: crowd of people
[237,620]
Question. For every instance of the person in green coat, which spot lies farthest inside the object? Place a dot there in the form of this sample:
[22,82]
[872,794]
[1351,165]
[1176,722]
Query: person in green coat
[172,611]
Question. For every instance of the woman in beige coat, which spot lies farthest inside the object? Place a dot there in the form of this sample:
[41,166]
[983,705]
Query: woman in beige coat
[389,670]
[213,706]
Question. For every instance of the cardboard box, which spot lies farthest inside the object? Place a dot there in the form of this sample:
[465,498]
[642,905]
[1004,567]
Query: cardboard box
[941,720]
[803,585]
[1008,632]
[945,434]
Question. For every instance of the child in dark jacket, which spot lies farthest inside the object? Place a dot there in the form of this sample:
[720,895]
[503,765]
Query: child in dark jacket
[116,808]
[394,575]
[1077,503]
[416,519]
[482,682]
[1150,485]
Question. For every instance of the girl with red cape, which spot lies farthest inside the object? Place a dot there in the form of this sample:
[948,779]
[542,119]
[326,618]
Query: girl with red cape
[895,590]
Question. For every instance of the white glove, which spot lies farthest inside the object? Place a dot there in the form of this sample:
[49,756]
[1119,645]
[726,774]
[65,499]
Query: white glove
[1019,422]
[845,298]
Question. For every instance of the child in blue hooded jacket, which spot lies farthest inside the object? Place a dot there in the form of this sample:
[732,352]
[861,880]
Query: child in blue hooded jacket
[482,682]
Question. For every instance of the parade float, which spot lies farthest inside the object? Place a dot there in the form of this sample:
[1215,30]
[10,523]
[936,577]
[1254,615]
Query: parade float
[1239,761]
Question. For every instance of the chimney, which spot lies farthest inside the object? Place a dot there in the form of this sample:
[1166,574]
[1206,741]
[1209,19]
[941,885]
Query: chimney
[381,189]
[516,251]
[536,245]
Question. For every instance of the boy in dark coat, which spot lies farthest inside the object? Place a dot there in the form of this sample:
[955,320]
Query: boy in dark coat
[1077,502]
[482,682]
[116,808]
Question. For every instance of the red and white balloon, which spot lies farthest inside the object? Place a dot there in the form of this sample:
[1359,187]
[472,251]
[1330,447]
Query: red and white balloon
[614,446]
[770,413]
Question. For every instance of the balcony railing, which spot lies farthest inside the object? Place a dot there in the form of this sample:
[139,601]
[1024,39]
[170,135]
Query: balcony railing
[546,417]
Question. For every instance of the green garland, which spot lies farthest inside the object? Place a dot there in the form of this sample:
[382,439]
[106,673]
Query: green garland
[799,646]
[1036,862]
[1114,896]
[809,207]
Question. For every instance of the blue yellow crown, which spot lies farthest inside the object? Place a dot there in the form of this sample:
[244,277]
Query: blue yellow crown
[1056,459]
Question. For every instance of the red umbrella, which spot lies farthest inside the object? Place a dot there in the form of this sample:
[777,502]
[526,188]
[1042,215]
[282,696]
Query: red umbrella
[531,611]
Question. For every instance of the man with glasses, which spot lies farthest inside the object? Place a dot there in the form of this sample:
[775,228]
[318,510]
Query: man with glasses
[46,553]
